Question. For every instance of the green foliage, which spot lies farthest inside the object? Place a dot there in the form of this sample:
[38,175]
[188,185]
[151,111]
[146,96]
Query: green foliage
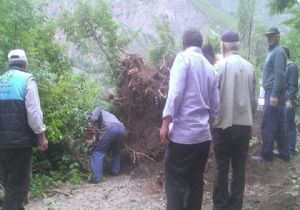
[217,17]
[259,49]
[66,98]
[166,47]
[43,182]
[91,26]
[17,18]
[292,40]
[214,39]
[280,6]
[246,25]
[40,183]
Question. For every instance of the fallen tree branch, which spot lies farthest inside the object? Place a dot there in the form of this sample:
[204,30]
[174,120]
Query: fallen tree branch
[138,153]
[59,192]
[161,94]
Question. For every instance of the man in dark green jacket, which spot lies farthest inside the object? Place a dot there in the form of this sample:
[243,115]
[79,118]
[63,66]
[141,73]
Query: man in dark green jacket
[274,79]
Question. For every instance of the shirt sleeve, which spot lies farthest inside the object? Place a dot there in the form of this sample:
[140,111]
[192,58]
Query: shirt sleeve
[33,107]
[253,97]
[292,82]
[214,98]
[177,83]
[280,73]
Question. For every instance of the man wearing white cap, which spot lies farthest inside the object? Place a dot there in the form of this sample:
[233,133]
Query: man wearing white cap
[21,128]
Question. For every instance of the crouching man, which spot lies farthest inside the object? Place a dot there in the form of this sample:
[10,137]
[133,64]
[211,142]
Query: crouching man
[110,133]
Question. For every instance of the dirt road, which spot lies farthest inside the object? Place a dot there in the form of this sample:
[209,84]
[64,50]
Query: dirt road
[270,186]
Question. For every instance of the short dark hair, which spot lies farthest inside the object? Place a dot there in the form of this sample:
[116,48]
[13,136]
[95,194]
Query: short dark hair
[287,52]
[192,38]
[20,64]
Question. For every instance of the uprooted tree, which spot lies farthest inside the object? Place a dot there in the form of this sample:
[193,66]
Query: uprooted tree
[141,88]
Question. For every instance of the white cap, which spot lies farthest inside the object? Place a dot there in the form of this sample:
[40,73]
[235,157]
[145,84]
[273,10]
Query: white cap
[17,55]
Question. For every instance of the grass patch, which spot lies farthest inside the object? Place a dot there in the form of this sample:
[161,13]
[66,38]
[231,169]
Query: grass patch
[216,16]
[41,182]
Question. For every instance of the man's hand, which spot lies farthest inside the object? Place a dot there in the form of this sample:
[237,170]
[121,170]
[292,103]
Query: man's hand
[273,101]
[164,130]
[289,104]
[211,122]
[43,142]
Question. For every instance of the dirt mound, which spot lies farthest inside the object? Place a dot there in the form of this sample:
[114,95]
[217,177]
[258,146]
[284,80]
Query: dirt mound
[140,101]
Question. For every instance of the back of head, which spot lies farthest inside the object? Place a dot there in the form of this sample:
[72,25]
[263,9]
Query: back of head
[192,38]
[96,117]
[17,58]
[230,40]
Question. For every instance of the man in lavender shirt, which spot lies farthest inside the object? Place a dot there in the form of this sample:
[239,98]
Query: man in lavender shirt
[191,106]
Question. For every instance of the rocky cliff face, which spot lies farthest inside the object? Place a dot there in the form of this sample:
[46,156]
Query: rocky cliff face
[141,15]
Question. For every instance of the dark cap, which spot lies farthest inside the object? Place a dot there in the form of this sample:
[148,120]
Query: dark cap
[230,36]
[272,30]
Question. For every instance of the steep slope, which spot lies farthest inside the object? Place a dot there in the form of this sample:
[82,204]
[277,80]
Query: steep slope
[140,16]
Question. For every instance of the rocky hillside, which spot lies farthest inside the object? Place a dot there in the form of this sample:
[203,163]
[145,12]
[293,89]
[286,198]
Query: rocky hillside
[141,16]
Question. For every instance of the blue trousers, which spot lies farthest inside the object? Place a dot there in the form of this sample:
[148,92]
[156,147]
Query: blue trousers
[291,128]
[111,140]
[273,128]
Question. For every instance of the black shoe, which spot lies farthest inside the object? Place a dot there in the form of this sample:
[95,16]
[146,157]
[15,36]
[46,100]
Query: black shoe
[284,158]
[294,153]
[96,181]
[261,158]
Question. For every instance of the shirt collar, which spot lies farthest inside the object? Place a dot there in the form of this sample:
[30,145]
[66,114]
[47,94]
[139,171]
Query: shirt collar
[16,68]
[194,49]
[230,53]
[273,46]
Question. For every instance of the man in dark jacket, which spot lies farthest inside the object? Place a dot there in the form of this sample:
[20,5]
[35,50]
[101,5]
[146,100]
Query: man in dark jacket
[274,77]
[290,97]
[21,128]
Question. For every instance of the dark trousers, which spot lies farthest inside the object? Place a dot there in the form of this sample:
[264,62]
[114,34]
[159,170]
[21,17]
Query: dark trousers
[273,129]
[230,145]
[15,171]
[291,128]
[184,168]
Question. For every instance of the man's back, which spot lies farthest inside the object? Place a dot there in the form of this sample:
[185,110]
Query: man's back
[14,127]
[193,97]
[237,89]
